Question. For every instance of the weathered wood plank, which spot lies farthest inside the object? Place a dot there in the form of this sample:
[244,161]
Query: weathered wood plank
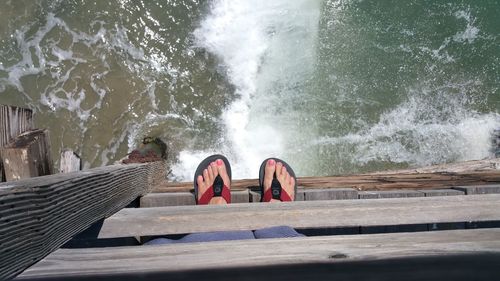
[441,192]
[389,194]
[167,199]
[39,215]
[479,173]
[27,156]
[240,196]
[13,122]
[330,194]
[305,214]
[70,162]
[185,198]
[481,189]
[291,252]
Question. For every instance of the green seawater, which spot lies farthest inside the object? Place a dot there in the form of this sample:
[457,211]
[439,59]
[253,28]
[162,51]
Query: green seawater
[332,87]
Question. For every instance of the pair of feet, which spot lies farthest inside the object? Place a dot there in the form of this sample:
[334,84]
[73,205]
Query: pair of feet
[217,175]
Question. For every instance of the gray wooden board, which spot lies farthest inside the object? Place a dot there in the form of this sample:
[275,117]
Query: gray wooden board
[330,194]
[167,199]
[38,215]
[305,214]
[442,192]
[479,189]
[262,252]
[389,194]
[300,194]
[240,196]
[14,121]
[27,156]
[185,199]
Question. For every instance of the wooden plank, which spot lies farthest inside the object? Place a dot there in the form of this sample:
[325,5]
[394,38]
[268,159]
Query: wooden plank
[301,215]
[27,156]
[330,194]
[479,172]
[167,199]
[39,215]
[255,254]
[389,194]
[484,189]
[240,196]
[442,192]
[70,162]
[185,198]
[13,122]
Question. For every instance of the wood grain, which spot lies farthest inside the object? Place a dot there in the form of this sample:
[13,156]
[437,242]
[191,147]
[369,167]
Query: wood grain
[27,156]
[67,263]
[478,172]
[38,215]
[13,122]
[305,214]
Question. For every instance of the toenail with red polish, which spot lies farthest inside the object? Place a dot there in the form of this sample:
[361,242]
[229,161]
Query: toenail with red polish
[271,162]
[219,162]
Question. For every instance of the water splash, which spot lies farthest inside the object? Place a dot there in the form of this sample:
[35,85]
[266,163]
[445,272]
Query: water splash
[254,41]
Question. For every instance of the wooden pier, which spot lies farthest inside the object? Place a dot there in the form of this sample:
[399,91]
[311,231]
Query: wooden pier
[450,224]
[434,223]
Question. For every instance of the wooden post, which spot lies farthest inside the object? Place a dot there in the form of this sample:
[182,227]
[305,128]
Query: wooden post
[70,162]
[13,122]
[28,156]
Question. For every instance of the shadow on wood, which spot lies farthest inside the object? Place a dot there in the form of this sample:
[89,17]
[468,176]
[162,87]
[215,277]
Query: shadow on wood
[454,254]
[462,267]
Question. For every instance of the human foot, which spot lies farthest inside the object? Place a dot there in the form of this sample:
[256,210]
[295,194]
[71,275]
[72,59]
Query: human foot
[277,180]
[212,181]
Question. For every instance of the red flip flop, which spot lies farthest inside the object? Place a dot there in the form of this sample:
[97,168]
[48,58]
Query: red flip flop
[219,188]
[275,192]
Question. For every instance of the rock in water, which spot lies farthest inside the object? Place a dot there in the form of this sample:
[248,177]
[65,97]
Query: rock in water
[151,149]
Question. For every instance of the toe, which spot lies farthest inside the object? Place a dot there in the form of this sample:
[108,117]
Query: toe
[288,183]
[279,167]
[211,176]
[282,176]
[202,187]
[206,176]
[268,173]
[215,170]
[199,181]
[222,171]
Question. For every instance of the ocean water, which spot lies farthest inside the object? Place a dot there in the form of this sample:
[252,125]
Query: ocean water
[331,86]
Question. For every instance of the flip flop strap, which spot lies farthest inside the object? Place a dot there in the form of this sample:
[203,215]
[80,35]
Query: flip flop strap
[276,192]
[218,189]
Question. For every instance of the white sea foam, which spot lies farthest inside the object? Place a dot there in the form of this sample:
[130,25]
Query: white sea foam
[471,32]
[245,35]
[431,127]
